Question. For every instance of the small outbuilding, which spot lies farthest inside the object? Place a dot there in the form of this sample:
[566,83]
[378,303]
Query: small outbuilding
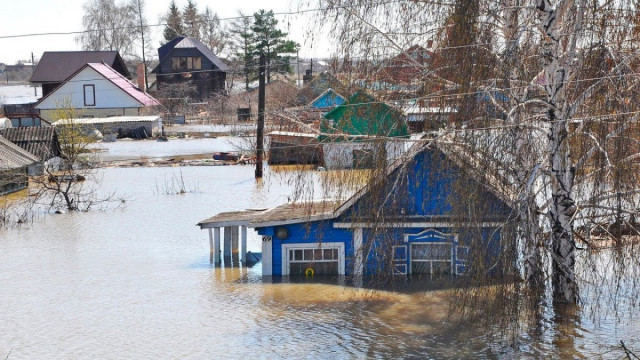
[16,165]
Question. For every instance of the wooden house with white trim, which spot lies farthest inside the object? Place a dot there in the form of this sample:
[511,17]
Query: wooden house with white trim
[430,214]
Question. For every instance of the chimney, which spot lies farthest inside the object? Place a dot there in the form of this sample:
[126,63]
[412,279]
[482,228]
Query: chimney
[140,76]
[429,44]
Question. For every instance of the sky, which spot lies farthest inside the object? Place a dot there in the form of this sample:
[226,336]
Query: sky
[18,17]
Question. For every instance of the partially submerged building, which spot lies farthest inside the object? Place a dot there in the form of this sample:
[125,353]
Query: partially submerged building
[415,220]
[16,165]
[361,132]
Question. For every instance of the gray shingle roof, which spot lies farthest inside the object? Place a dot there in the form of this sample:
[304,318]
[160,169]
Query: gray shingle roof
[39,141]
[57,66]
[12,156]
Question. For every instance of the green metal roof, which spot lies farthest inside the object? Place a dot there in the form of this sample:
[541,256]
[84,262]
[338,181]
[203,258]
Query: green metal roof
[363,115]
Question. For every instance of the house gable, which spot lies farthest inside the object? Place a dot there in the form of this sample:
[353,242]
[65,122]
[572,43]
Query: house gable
[328,99]
[430,188]
[88,89]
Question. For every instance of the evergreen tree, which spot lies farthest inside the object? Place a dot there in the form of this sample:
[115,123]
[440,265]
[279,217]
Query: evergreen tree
[272,42]
[240,29]
[173,20]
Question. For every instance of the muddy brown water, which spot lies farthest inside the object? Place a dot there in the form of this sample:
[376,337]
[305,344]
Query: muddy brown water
[135,283]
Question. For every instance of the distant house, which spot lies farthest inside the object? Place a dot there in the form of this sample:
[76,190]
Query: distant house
[55,67]
[350,131]
[327,100]
[416,232]
[39,141]
[406,67]
[186,60]
[421,118]
[319,86]
[16,165]
[95,90]
[295,141]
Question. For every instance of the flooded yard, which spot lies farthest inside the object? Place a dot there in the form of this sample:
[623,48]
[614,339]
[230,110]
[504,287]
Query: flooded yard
[135,282]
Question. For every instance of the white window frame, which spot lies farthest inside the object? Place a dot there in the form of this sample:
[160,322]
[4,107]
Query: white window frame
[323,246]
[411,259]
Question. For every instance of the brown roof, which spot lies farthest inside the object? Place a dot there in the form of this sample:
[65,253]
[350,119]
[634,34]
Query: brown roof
[40,141]
[12,156]
[57,66]
[284,214]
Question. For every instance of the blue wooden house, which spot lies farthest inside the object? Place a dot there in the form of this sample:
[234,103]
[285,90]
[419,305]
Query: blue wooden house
[430,214]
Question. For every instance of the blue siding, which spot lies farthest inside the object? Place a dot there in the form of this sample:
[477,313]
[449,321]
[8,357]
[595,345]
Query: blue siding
[330,99]
[430,194]
[307,233]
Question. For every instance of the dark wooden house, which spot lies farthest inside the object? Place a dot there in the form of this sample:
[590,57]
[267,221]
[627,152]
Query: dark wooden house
[186,60]
[56,66]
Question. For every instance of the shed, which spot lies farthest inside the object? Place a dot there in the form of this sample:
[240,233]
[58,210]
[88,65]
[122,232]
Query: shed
[16,165]
[417,229]
[39,141]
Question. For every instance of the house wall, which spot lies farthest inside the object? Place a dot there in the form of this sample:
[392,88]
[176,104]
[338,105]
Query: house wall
[430,196]
[52,115]
[309,233]
[339,155]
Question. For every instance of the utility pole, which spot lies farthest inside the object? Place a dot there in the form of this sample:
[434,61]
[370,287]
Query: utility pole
[144,60]
[261,102]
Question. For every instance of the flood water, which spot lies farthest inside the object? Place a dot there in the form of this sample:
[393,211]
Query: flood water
[136,283]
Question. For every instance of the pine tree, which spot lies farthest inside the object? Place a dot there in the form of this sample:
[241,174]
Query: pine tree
[240,29]
[271,41]
[173,20]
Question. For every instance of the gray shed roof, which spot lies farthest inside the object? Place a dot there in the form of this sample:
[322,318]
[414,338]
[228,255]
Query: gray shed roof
[284,214]
[12,156]
[57,66]
[40,141]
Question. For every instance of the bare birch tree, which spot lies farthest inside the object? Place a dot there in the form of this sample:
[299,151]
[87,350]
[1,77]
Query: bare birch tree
[551,85]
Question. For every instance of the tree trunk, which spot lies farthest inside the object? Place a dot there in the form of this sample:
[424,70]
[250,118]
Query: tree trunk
[565,289]
[557,54]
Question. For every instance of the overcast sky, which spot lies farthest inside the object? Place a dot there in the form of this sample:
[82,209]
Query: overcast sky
[19,17]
